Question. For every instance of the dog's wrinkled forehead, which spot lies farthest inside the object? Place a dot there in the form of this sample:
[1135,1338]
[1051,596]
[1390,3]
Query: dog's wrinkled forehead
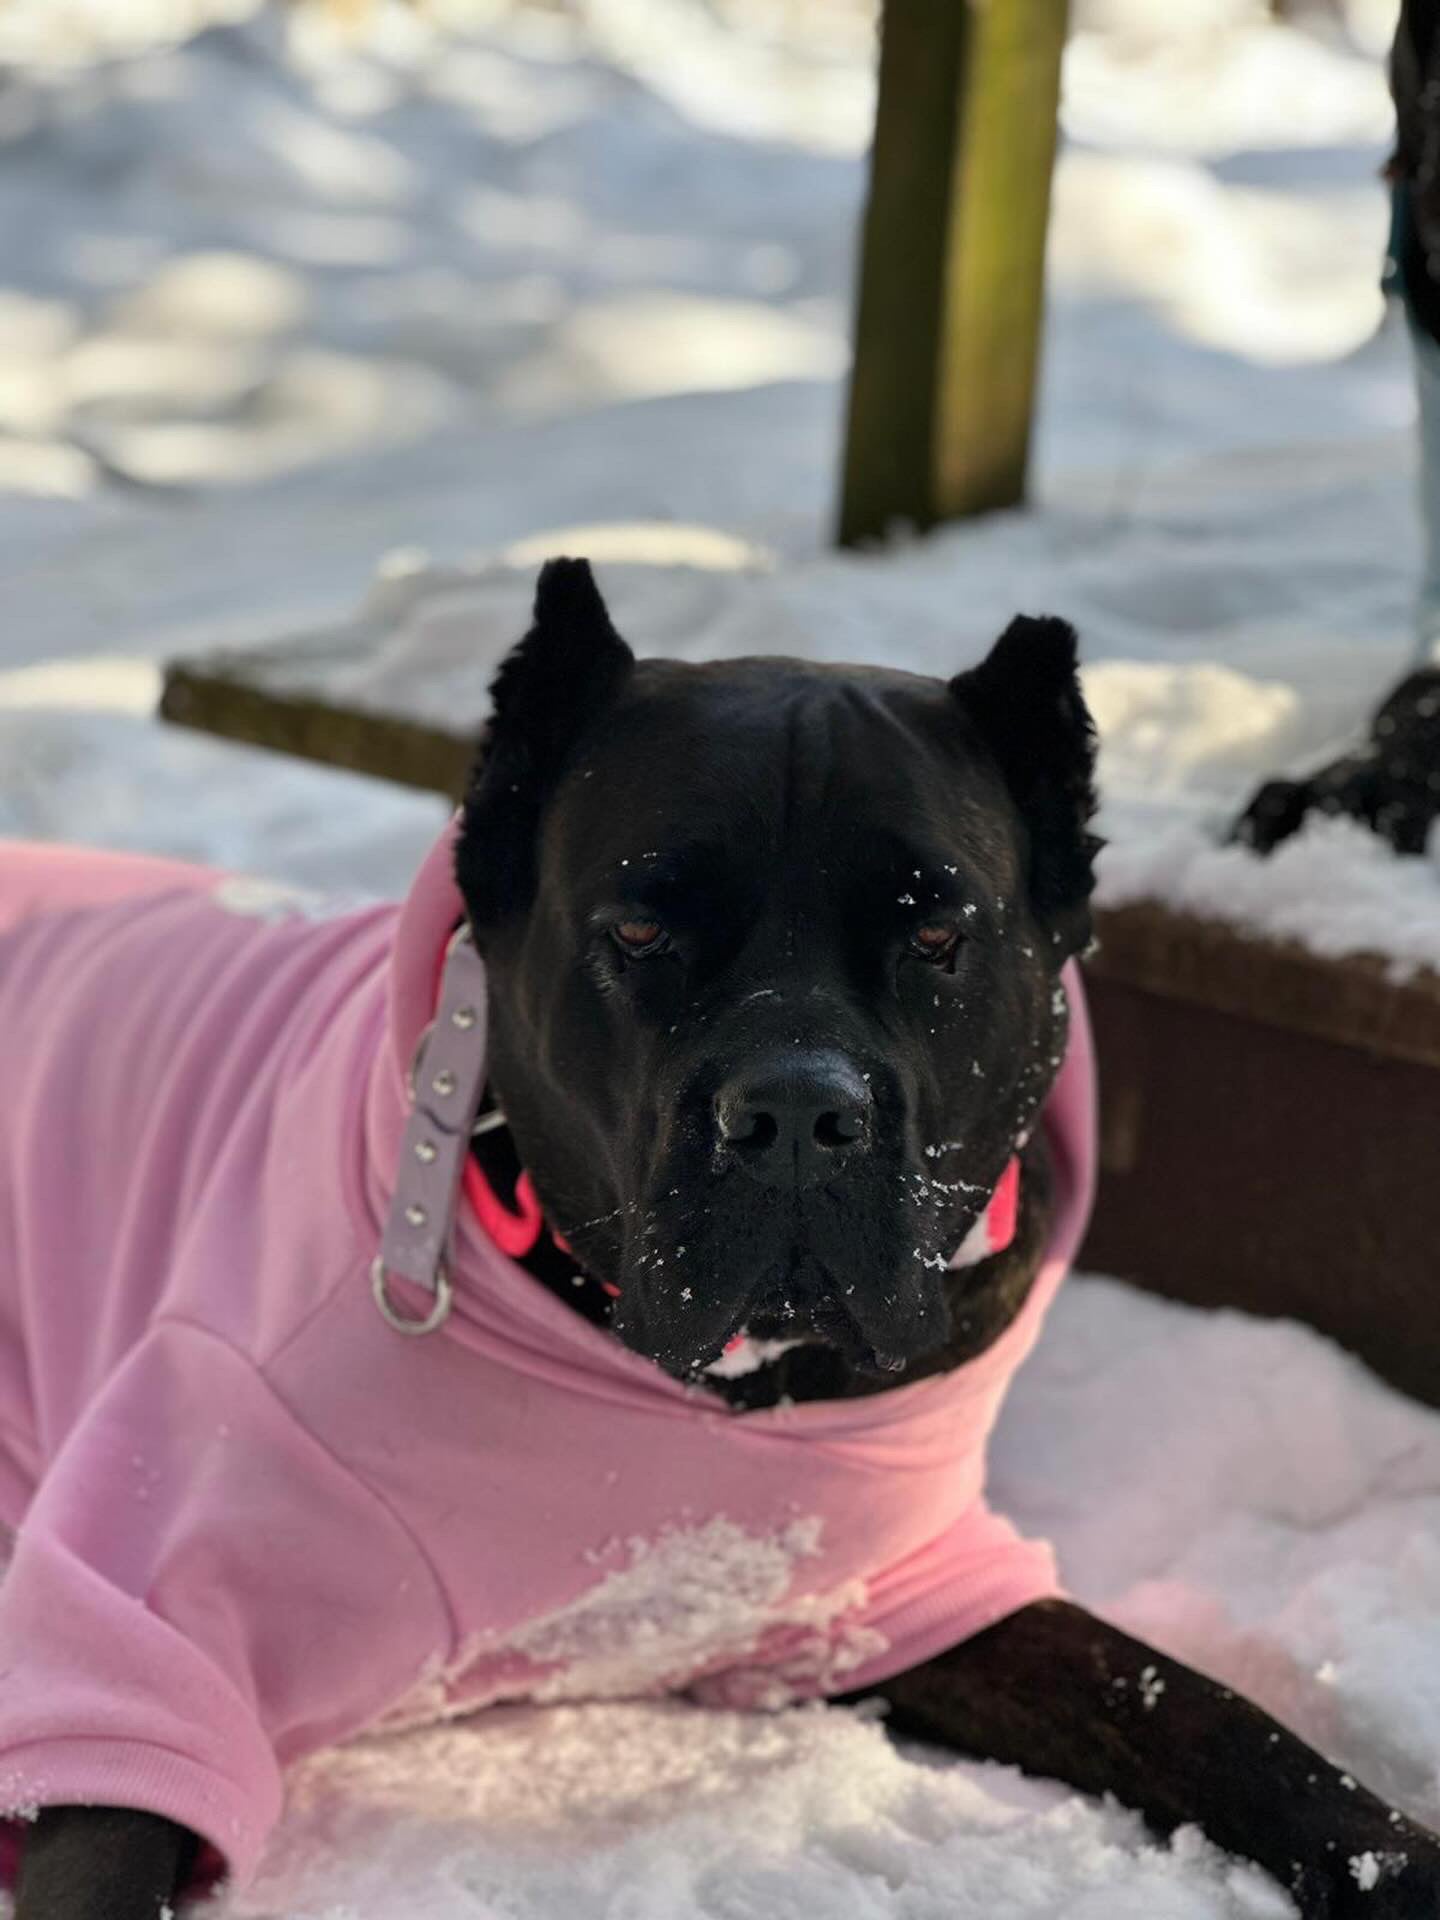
[745,776]
[997,761]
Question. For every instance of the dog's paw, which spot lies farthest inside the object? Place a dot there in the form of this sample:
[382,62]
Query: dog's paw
[1277,810]
[1391,783]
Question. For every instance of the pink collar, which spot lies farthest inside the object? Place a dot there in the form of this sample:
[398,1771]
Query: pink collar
[518,1233]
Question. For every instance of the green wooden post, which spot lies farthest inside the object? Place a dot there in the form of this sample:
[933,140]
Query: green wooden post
[947,336]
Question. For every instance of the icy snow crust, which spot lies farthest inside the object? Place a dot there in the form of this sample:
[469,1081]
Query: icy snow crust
[711,1600]
[267,314]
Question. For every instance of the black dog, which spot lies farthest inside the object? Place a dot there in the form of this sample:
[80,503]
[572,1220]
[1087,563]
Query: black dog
[652,1072]
[1390,782]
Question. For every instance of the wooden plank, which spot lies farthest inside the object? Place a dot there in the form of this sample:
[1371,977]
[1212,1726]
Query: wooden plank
[1249,1164]
[1267,1132]
[1359,1000]
[951,296]
[225,697]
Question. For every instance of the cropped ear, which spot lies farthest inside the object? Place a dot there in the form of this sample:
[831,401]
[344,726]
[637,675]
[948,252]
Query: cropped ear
[547,691]
[1025,700]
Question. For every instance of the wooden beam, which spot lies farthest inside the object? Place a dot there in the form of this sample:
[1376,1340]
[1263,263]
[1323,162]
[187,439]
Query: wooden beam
[1360,1000]
[228,697]
[947,334]
[1249,1163]
[1266,1138]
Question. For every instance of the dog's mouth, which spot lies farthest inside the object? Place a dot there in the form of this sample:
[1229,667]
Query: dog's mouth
[747,1353]
[816,1313]
[711,1291]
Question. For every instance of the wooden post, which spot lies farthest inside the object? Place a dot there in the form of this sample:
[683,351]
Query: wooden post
[947,335]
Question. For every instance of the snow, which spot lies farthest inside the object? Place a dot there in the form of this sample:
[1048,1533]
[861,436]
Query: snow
[1288,1544]
[659,1811]
[1335,889]
[711,1599]
[1366,1869]
[272,310]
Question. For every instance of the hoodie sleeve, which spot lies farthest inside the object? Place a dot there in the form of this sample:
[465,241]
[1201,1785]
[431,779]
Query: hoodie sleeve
[199,1594]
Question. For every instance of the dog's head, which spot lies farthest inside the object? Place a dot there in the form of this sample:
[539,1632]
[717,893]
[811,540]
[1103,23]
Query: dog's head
[773,953]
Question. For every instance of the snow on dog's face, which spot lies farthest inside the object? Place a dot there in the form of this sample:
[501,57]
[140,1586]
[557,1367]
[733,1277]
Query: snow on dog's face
[774,952]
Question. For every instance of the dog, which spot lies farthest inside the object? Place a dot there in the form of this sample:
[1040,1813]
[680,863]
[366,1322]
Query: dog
[753,985]
[1390,782]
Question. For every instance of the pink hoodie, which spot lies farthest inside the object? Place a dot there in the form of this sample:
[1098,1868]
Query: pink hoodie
[251,1519]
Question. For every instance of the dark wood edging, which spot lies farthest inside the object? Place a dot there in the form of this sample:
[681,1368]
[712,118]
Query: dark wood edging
[1354,1001]
[216,697]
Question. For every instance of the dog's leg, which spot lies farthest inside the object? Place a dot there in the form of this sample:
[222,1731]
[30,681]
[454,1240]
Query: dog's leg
[101,1863]
[1391,781]
[1055,1691]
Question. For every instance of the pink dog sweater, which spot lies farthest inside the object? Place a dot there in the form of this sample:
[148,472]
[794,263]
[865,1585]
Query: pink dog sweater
[249,1518]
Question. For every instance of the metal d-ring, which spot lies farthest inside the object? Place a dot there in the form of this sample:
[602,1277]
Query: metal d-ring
[402,1323]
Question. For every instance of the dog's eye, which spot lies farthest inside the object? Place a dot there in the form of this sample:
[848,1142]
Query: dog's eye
[637,938]
[937,942]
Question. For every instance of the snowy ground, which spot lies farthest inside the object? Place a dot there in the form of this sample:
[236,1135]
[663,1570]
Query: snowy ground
[269,313]
[596,269]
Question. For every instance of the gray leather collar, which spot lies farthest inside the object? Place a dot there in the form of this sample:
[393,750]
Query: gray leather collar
[447,1081]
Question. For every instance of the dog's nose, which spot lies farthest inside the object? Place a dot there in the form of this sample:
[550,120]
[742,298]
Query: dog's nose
[796,1122]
